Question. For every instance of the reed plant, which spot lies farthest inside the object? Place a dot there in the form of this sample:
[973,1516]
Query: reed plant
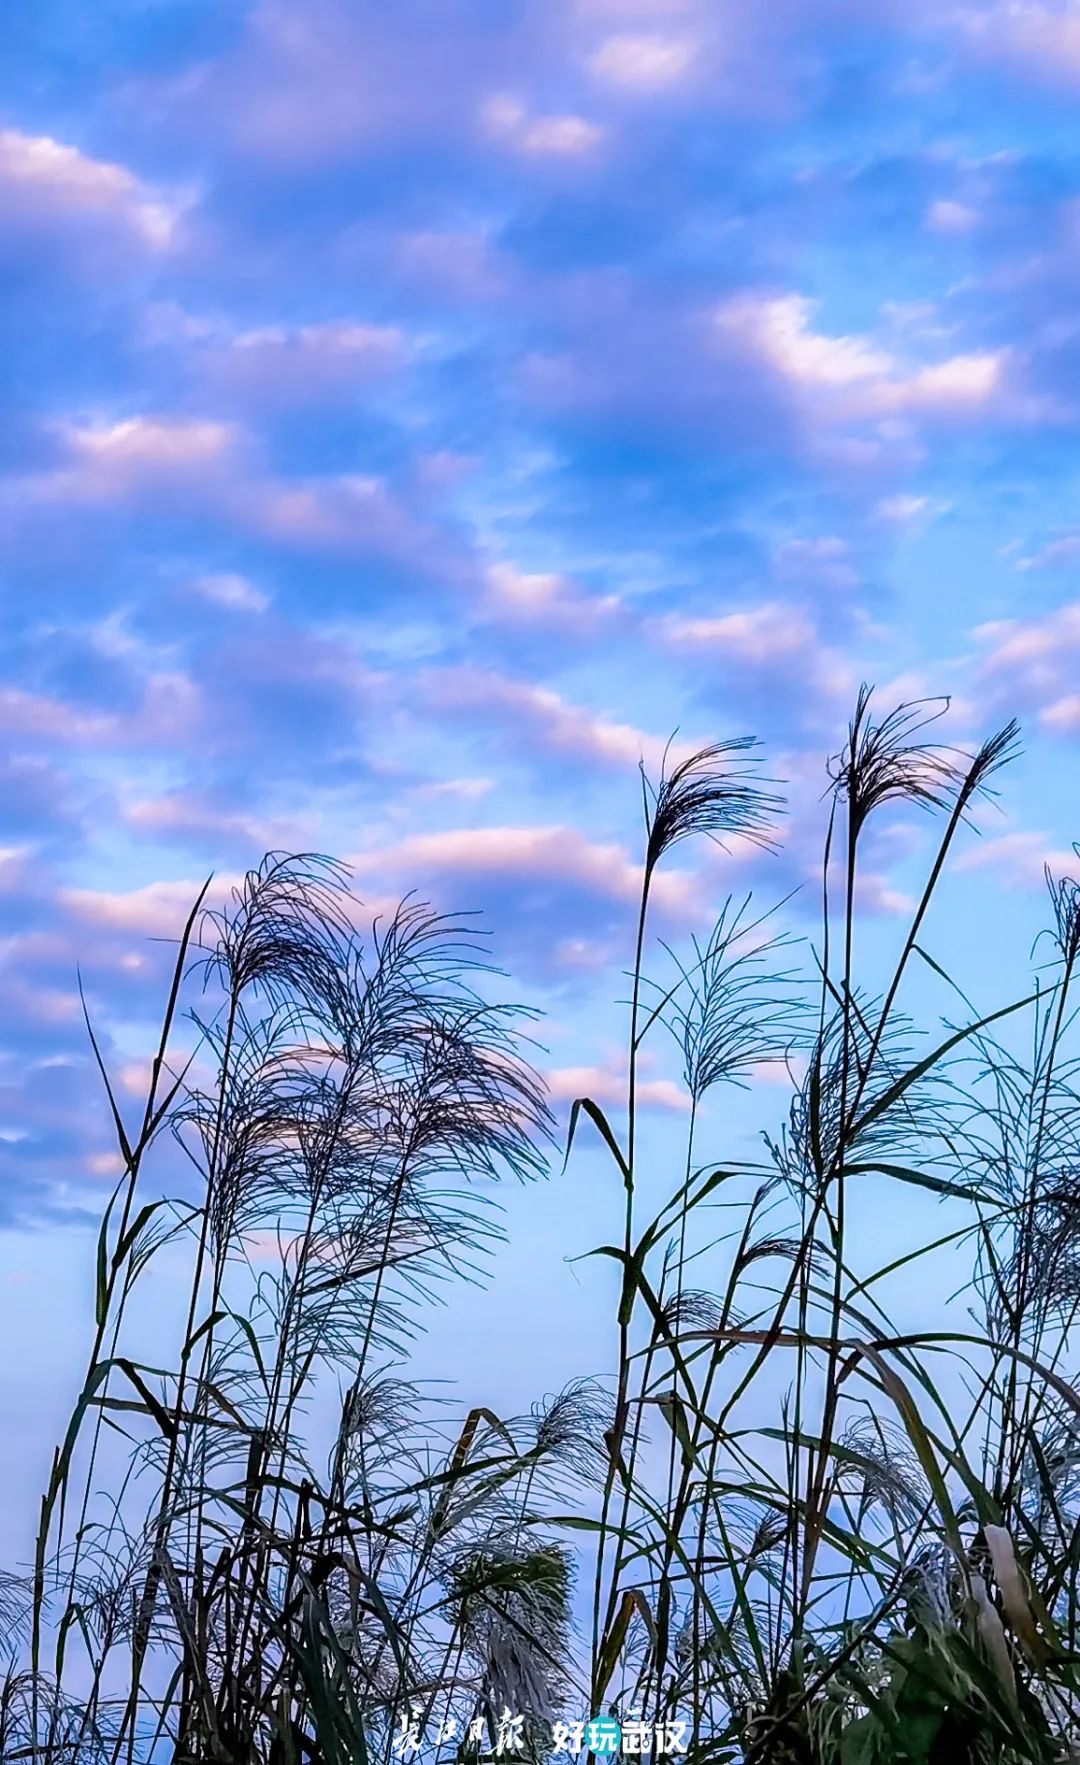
[779,1525]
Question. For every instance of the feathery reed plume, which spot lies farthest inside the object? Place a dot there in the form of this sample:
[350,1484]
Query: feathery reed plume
[885,761]
[1064,895]
[713,792]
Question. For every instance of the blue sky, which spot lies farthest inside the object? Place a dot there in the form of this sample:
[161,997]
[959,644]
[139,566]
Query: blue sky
[414,414]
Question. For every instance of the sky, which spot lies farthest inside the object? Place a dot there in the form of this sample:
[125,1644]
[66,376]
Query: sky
[416,414]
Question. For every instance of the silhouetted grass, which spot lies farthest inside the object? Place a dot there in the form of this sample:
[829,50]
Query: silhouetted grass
[806,1533]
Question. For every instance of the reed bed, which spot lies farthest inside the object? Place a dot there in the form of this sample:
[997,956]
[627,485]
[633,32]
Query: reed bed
[778,1520]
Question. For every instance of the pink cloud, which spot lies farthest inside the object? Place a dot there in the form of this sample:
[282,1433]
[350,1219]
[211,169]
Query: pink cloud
[779,326]
[280,365]
[606,1085]
[787,1072]
[826,562]
[545,715]
[322,348]
[1035,661]
[44,181]
[1020,857]
[30,949]
[618,346]
[1065,550]
[332,80]
[171,706]
[1063,715]
[444,469]
[228,589]
[184,812]
[850,376]
[507,118]
[546,596]
[28,1003]
[874,893]
[152,443]
[157,909]
[160,909]
[644,61]
[1018,641]
[746,59]
[464,264]
[774,635]
[759,634]
[1027,36]
[469,788]
[24,713]
[112,462]
[14,865]
[35,947]
[945,216]
[563,856]
[348,514]
[312,84]
[213,466]
[135,1077]
[105,1164]
[639,12]
[904,507]
[583,955]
